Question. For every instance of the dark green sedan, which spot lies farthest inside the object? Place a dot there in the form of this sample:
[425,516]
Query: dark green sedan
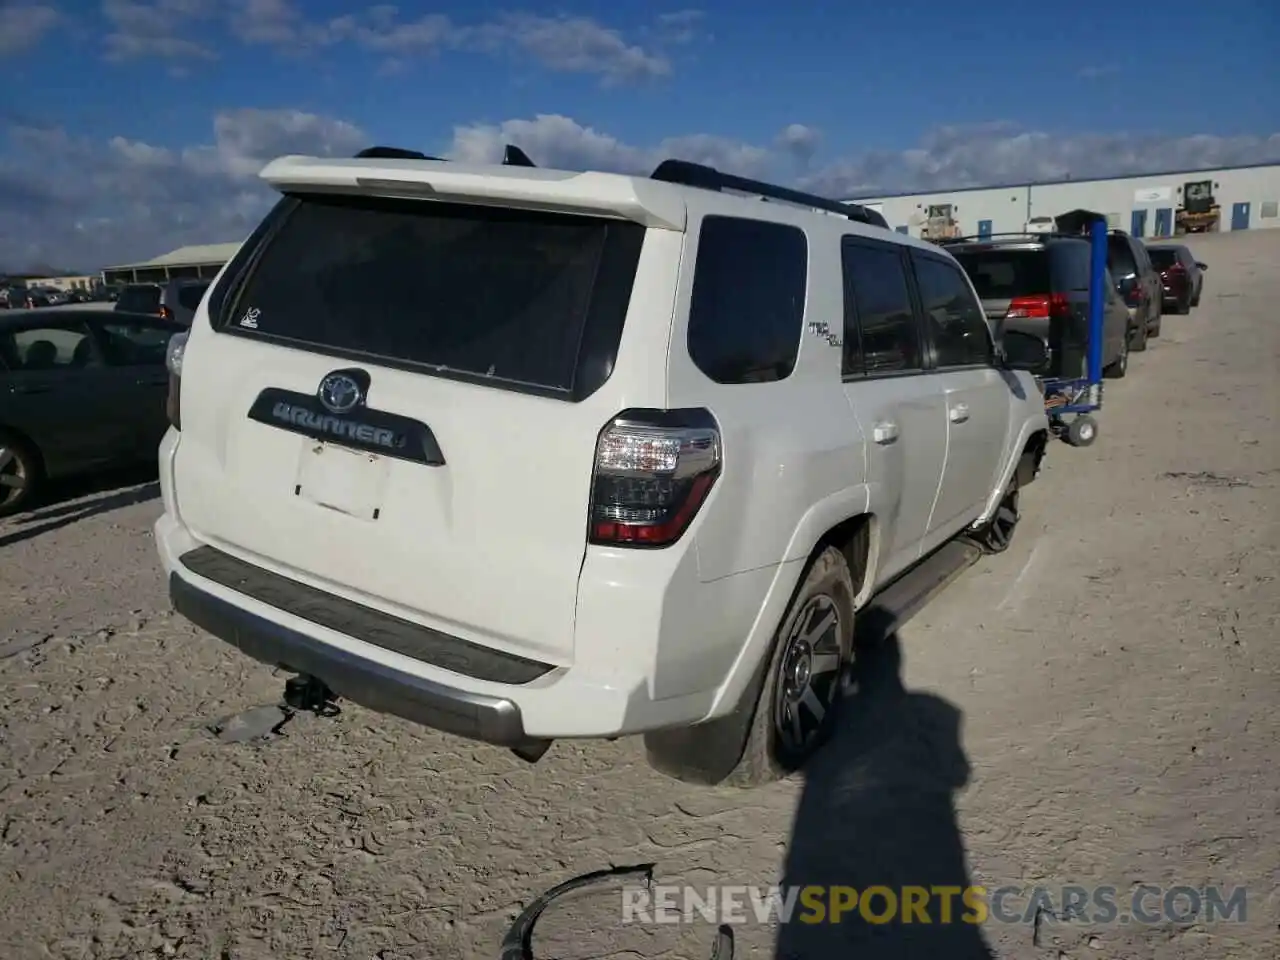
[80,389]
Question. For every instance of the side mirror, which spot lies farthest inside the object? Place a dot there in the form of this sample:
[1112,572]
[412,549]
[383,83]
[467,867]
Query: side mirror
[1024,351]
[1202,266]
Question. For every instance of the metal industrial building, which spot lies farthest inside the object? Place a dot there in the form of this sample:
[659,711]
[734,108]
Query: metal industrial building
[1243,198]
[202,261]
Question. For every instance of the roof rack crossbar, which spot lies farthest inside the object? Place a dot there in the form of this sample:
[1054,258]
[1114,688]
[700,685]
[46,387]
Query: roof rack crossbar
[699,175]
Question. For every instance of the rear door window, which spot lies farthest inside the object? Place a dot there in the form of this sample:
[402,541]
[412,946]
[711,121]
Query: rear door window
[139,299]
[1005,274]
[957,323]
[881,335]
[50,346]
[746,315]
[518,299]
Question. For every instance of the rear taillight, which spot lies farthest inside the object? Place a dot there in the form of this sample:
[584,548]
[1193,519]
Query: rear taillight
[653,472]
[1039,307]
[1176,268]
[173,360]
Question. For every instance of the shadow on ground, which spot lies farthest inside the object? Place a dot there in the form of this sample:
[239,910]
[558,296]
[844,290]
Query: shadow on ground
[69,501]
[878,810]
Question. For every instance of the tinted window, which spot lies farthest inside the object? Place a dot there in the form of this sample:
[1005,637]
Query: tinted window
[1070,262]
[881,335]
[1163,258]
[190,295]
[1005,274]
[135,344]
[747,309]
[956,321]
[509,297]
[51,347]
[139,299]
[1120,257]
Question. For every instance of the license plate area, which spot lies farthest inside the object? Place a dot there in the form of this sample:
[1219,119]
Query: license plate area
[347,481]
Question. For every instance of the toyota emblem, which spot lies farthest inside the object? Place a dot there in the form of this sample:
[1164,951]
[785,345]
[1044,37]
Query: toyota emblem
[339,393]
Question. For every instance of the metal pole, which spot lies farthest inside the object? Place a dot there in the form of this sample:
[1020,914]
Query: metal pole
[1097,297]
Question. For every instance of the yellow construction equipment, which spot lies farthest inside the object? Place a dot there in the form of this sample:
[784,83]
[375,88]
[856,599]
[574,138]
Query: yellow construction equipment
[1199,212]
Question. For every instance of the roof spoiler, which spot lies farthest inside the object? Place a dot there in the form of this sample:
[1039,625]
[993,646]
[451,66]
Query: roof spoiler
[512,156]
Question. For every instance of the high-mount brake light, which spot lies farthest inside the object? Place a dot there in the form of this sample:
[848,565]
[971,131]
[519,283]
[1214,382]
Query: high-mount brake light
[173,361]
[653,471]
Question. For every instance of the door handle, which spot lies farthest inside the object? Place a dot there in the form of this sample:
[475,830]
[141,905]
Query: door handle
[885,432]
[959,413]
[31,390]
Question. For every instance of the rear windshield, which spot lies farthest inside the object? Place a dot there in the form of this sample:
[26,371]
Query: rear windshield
[1162,258]
[140,299]
[190,295]
[1004,274]
[478,292]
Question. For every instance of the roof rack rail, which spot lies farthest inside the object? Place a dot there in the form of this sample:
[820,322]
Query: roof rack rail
[1026,234]
[513,156]
[703,177]
[392,153]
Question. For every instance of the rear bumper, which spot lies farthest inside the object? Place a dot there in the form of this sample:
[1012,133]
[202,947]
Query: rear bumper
[475,716]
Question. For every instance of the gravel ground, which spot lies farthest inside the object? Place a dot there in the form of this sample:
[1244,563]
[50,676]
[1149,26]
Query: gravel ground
[1096,706]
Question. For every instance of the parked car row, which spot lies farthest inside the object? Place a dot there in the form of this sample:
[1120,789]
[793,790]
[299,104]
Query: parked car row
[1039,282]
[80,389]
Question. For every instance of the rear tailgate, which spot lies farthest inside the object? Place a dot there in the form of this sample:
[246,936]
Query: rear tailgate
[482,342]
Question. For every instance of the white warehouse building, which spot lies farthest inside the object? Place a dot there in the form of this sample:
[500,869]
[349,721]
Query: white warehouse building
[1152,205]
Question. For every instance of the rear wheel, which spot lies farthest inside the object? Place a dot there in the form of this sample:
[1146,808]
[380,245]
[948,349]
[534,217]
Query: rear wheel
[1120,366]
[803,682]
[1138,338]
[19,473]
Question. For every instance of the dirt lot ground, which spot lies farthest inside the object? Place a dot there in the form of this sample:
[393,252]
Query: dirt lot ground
[1098,706]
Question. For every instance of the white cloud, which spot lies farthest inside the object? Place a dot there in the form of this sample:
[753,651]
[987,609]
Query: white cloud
[85,204]
[70,202]
[155,30]
[563,44]
[22,26]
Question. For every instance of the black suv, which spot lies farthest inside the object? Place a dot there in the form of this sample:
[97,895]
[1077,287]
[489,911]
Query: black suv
[1039,284]
[1138,283]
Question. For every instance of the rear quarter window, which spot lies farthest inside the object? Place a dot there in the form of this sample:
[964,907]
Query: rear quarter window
[746,315]
[518,299]
[1120,258]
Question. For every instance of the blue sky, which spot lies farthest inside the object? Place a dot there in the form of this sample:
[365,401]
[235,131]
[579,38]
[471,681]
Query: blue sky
[159,111]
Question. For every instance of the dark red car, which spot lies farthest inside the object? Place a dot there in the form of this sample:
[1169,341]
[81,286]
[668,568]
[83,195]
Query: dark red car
[1181,275]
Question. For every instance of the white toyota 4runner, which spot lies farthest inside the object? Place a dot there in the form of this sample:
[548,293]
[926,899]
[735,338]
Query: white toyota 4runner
[522,454]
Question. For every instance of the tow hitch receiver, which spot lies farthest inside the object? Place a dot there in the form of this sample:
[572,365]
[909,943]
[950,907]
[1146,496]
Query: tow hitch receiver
[310,694]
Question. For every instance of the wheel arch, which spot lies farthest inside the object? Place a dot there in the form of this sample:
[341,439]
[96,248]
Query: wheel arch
[22,437]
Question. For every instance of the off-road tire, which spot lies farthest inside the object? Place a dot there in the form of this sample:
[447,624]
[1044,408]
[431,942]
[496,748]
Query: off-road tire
[764,759]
